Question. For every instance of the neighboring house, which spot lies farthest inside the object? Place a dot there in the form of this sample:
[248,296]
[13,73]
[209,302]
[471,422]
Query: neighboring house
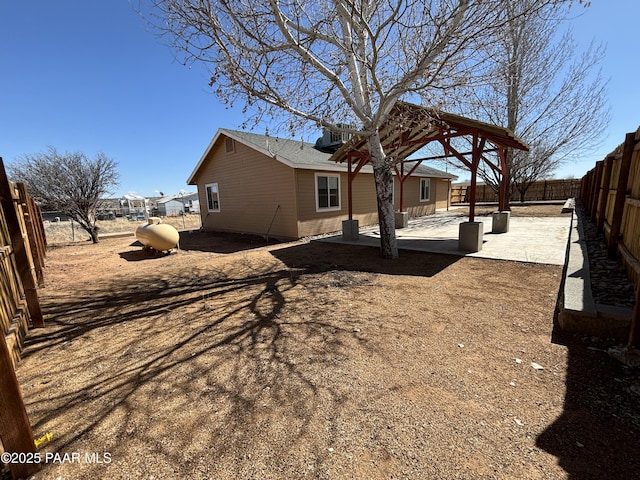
[177,205]
[289,189]
[192,202]
[133,205]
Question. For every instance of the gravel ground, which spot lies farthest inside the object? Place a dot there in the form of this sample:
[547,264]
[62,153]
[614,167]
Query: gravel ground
[610,284]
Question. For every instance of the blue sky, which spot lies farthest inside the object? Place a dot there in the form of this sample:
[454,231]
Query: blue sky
[88,75]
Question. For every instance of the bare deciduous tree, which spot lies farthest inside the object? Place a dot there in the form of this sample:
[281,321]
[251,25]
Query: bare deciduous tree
[335,63]
[71,183]
[541,88]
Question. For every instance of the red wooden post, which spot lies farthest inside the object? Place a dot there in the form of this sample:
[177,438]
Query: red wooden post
[502,201]
[349,187]
[401,176]
[476,155]
[472,193]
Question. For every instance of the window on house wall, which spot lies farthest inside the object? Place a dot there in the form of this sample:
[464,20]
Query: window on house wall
[213,197]
[327,192]
[230,145]
[425,189]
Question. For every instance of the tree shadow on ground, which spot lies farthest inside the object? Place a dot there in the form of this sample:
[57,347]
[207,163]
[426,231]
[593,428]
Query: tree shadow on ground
[216,339]
[318,256]
[598,434]
[221,242]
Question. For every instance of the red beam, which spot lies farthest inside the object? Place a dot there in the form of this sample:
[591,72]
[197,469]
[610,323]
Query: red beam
[502,203]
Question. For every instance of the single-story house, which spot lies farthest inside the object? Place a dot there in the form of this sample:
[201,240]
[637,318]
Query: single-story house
[289,189]
[192,202]
[177,204]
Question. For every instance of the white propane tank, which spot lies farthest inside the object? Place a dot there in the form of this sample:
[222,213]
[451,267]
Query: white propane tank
[157,235]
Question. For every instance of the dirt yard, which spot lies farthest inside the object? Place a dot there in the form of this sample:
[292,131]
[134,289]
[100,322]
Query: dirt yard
[233,359]
[66,232]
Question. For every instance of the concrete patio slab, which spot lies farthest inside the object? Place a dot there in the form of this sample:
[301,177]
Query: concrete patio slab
[529,239]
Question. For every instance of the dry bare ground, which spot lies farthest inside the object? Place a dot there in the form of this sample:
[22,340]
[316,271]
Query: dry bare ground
[69,232]
[234,359]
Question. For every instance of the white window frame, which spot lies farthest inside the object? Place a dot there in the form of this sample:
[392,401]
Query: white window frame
[210,207]
[428,182]
[329,208]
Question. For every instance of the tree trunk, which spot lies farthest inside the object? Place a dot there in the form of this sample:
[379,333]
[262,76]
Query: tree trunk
[383,174]
[94,235]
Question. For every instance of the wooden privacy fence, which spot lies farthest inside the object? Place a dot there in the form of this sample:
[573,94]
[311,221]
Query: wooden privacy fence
[610,193]
[538,191]
[22,252]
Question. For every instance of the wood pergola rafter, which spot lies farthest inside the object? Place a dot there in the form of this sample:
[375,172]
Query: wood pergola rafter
[411,127]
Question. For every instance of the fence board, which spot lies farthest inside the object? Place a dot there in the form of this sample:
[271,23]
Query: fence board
[622,213]
[31,232]
[22,247]
[539,191]
[18,237]
[15,429]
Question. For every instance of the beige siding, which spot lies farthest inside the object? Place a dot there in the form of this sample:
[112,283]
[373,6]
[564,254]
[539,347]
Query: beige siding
[411,197]
[438,198]
[260,195]
[312,222]
[442,192]
[254,191]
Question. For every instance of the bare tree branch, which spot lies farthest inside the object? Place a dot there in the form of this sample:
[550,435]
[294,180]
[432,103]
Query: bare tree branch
[341,64]
[71,183]
[542,89]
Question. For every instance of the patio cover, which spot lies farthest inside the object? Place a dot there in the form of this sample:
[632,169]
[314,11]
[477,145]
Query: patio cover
[410,127]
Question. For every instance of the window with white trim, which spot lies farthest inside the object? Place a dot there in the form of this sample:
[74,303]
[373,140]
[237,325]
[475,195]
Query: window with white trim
[327,192]
[213,197]
[425,189]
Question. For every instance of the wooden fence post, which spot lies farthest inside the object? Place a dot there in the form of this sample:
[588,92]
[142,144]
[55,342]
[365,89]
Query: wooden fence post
[19,249]
[15,428]
[31,221]
[597,180]
[586,189]
[604,194]
[621,194]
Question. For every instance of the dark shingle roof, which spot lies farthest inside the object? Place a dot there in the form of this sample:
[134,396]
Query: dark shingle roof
[296,154]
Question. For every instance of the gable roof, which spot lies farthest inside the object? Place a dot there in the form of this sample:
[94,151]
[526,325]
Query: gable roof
[294,153]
